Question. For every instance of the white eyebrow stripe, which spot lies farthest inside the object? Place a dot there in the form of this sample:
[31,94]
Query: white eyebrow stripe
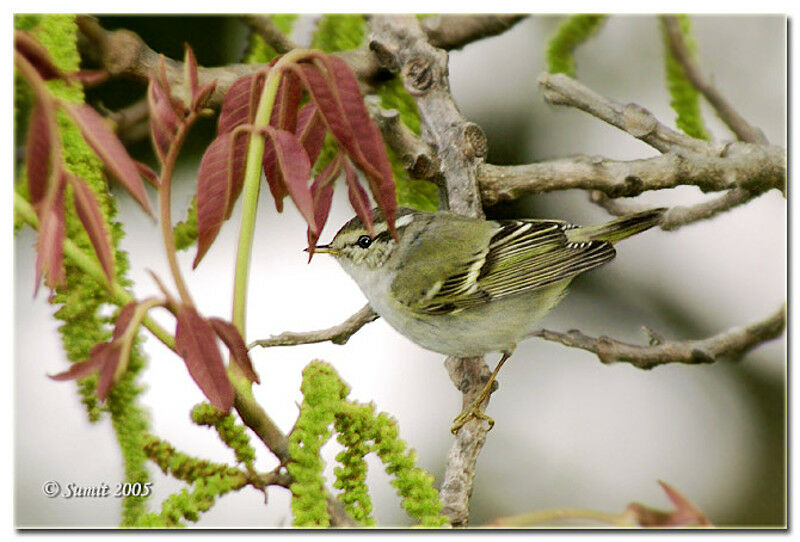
[404,220]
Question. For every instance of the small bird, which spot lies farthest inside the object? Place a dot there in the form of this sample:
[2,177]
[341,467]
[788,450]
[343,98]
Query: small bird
[464,286]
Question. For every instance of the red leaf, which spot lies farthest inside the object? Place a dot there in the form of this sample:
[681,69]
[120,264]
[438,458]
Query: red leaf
[287,101]
[110,150]
[358,196]
[50,247]
[39,149]
[190,73]
[289,163]
[219,183]
[322,194]
[196,343]
[235,343]
[241,101]
[147,172]
[84,368]
[201,97]
[368,136]
[124,319]
[311,130]
[684,515]
[338,98]
[91,217]
[112,356]
[164,123]
[37,55]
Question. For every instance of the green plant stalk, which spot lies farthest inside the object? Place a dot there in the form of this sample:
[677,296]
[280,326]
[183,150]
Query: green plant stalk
[252,185]
[92,268]
[250,411]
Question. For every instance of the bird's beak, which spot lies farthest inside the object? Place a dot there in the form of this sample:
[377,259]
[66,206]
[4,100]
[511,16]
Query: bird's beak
[323,249]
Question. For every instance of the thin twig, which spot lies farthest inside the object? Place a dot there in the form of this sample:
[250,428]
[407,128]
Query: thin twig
[271,34]
[338,334]
[455,31]
[727,113]
[732,344]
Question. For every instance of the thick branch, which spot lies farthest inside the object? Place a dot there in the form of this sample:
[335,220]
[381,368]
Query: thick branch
[401,46]
[677,46]
[455,31]
[272,36]
[733,344]
[338,334]
[754,167]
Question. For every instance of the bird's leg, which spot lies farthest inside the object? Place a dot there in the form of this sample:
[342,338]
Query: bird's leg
[474,410]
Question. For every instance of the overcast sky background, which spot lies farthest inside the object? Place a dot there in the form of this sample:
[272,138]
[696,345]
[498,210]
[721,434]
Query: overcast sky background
[570,431]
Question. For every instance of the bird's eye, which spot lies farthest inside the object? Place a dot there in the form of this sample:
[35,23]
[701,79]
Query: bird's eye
[364,241]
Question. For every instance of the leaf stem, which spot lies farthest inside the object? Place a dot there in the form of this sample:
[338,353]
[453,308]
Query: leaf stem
[252,184]
[165,207]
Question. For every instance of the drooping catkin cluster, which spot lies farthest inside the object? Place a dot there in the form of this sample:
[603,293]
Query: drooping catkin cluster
[685,98]
[574,31]
[360,431]
[80,301]
[232,434]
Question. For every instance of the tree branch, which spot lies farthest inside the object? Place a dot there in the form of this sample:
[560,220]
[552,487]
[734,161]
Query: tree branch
[401,46]
[733,344]
[640,123]
[272,36]
[757,168]
[455,31]
[338,334]
[727,113]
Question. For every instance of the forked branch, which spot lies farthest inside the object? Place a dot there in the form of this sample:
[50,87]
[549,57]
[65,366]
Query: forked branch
[338,334]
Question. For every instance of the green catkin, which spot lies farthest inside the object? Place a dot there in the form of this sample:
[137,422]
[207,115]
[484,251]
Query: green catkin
[569,35]
[79,300]
[685,98]
[360,431]
[232,434]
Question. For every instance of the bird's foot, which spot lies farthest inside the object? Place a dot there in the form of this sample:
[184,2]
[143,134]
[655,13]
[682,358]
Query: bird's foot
[473,411]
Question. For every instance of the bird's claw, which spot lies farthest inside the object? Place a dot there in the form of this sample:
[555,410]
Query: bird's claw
[472,412]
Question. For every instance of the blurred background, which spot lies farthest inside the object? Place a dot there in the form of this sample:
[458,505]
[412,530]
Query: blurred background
[570,431]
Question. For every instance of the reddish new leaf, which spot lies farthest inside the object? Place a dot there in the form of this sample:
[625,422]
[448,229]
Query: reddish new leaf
[202,95]
[367,135]
[112,357]
[359,199]
[241,101]
[91,78]
[123,320]
[277,186]
[322,194]
[235,343]
[684,515]
[147,172]
[164,122]
[37,55]
[84,368]
[196,343]
[311,130]
[219,183]
[39,147]
[90,215]
[287,102]
[190,73]
[288,162]
[110,150]
[50,247]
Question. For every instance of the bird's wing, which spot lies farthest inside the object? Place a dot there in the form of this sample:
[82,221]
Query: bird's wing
[521,256]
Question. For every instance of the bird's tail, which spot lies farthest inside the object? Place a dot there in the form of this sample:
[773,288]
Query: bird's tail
[618,229]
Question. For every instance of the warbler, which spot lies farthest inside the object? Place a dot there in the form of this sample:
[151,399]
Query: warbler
[464,286]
